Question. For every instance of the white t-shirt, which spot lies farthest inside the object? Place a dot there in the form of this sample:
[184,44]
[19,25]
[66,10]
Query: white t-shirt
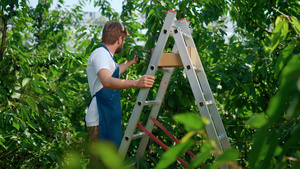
[99,59]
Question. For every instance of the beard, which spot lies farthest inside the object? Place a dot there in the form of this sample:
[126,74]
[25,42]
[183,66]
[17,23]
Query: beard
[119,49]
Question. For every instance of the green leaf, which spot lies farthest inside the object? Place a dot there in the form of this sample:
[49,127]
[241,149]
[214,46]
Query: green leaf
[16,125]
[179,93]
[158,11]
[16,95]
[108,154]
[204,154]
[72,160]
[190,121]
[228,155]
[170,156]
[42,76]
[25,81]
[31,126]
[296,22]
[279,33]
[269,154]
[257,121]
[81,29]
[82,80]
[188,136]
[2,140]
[52,155]
[284,30]
[264,71]
[278,19]
[200,158]
[278,150]
[61,94]
[275,39]
[259,145]
[31,103]
[81,35]
[284,56]
[289,78]
[294,108]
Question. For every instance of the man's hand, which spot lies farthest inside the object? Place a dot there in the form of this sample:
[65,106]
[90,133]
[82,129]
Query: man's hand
[134,60]
[123,66]
[145,81]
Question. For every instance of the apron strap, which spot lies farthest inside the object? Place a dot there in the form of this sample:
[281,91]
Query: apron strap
[107,50]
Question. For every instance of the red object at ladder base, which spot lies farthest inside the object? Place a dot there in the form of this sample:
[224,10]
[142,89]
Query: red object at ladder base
[160,143]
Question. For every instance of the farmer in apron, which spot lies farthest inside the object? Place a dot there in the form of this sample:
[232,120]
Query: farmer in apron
[104,115]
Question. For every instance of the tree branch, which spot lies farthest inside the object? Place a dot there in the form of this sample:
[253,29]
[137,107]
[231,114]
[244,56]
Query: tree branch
[2,48]
[264,30]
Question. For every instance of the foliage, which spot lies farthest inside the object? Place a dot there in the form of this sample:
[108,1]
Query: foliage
[43,86]
[254,75]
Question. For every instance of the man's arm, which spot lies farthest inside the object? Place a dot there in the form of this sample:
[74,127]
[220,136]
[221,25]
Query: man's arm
[110,82]
[123,66]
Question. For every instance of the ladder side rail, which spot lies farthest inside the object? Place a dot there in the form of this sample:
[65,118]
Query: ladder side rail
[223,143]
[207,91]
[161,43]
[160,96]
[196,88]
[194,83]
[154,111]
[143,93]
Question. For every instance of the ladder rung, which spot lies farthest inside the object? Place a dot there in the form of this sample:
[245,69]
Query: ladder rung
[187,36]
[208,103]
[162,69]
[138,135]
[221,137]
[197,69]
[176,24]
[151,102]
[184,35]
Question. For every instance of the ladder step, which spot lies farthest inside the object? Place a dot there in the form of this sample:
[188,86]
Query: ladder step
[221,137]
[152,102]
[187,36]
[138,135]
[164,69]
[208,103]
[197,69]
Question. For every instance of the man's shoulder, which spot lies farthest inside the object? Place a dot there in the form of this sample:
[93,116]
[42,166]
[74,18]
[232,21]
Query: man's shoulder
[100,52]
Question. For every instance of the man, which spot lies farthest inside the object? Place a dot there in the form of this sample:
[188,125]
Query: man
[104,116]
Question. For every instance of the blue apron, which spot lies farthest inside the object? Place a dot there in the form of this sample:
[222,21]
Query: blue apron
[109,109]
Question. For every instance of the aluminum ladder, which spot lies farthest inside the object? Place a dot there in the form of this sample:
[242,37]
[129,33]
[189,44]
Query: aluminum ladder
[180,31]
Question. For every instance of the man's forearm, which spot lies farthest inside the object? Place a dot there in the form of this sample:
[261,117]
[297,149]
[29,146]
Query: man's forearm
[118,84]
[124,66]
[110,82]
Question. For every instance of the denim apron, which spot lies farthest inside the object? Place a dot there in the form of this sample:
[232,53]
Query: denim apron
[109,110]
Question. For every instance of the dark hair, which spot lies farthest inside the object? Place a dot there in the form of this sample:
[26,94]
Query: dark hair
[112,31]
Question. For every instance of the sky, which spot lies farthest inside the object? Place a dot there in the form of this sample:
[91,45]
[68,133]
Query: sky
[116,4]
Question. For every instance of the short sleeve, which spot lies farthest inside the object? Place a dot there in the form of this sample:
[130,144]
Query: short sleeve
[102,60]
